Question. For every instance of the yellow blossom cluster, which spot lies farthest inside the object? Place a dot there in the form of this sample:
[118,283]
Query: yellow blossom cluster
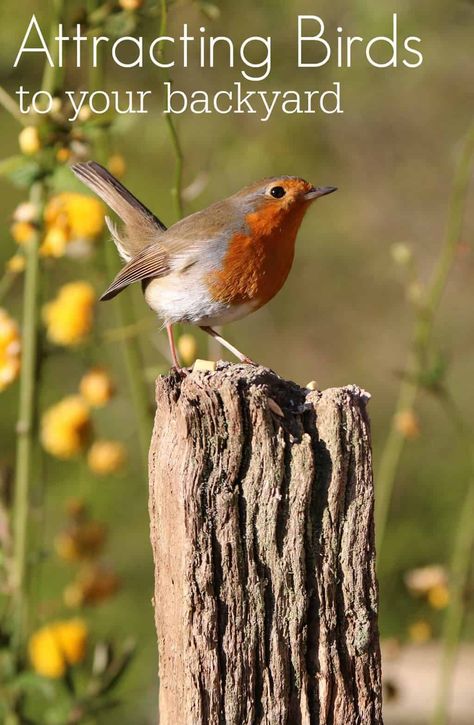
[66,430]
[9,350]
[431,583]
[69,316]
[187,348]
[23,229]
[106,457]
[116,165]
[131,5]
[82,540]
[94,584]
[16,264]
[57,646]
[420,631]
[29,140]
[22,232]
[73,221]
[407,424]
[65,427]
[96,387]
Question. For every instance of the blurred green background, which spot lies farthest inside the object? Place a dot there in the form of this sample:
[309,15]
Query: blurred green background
[343,316]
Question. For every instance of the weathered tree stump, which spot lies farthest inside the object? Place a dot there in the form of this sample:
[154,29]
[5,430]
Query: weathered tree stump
[261,508]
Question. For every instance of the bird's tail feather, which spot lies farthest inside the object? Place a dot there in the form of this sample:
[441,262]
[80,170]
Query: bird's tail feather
[141,226]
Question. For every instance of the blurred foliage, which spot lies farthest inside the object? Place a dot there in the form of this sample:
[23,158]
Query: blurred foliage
[364,260]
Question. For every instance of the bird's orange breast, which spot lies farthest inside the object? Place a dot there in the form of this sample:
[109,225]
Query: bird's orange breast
[257,263]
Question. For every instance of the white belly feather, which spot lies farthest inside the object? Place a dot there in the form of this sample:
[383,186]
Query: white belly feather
[184,298]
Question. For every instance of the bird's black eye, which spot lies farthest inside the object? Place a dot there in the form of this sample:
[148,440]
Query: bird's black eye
[277,192]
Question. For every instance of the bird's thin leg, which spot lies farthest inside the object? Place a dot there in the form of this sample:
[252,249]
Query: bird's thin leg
[243,358]
[174,356]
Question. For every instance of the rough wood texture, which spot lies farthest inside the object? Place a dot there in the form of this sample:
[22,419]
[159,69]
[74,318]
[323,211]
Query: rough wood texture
[261,509]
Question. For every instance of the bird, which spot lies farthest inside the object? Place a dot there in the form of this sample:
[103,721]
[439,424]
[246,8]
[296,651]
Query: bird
[212,267]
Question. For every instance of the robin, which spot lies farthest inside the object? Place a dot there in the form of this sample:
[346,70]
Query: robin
[212,267]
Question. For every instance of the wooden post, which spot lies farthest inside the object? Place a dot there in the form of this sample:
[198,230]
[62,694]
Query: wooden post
[261,509]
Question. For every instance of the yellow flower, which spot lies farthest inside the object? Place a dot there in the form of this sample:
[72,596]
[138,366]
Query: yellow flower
[65,427]
[79,215]
[29,140]
[414,293]
[421,580]
[54,242]
[116,165]
[27,211]
[16,264]
[438,596]
[58,645]
[69,317]
[401,254]
[187,348]
[96,387]
[92,586]
[419,632]
[63,155]
[82,541]
[106,457]
[72,635]
[22,232]
[45,654]
[130,4]
[407,423]
[85,113]
[10,347]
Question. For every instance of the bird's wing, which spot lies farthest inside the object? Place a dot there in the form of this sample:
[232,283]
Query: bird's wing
[153,261]
[196,233]
[199,238]
[141,225]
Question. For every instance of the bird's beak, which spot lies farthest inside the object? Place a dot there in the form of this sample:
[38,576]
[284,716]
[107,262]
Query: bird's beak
[318,191]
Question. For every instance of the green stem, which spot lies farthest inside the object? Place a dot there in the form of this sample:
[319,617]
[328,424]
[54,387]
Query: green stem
[6,283]
[28,387]
[459,575]
[25,427]
[10,105]
[130,348]
[53,75]
[460,567]
[177,189]
[454,226]
[422,333]
[133,365]
[390,461]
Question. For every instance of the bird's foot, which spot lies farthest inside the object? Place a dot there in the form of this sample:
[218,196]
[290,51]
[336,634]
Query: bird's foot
[179,371]
[247,361]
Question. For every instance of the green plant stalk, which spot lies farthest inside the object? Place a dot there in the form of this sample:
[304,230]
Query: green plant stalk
[133,365]
[130,348]
[460,567]
[459,574]
[28,389]
[177,188]
[390,460]
[12,107]
[53,75]
[25,428]
[422,334]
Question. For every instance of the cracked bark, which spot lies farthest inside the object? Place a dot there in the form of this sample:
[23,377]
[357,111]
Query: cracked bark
[263,542]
